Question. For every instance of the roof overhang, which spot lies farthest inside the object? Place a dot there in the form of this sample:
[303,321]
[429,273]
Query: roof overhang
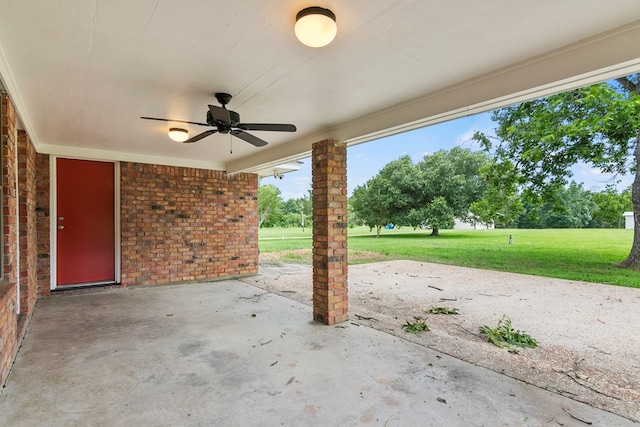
[81,73]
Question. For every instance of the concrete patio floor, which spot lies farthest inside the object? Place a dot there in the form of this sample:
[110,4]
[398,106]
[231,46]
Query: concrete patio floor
[230,354]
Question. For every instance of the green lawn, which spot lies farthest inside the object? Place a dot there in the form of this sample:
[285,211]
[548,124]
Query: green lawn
[578,254]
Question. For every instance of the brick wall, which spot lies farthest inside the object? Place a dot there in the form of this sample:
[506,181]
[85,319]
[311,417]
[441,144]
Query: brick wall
[27,221]
[8,316]
[9,196]
[8,329]
[43,251]
[182,224]
[177,225]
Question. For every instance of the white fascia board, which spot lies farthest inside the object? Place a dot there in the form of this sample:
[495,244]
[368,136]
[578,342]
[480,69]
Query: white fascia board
[93,154]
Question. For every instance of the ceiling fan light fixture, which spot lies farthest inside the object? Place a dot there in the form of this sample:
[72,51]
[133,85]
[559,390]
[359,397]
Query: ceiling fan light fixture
[178,134]
[315,26]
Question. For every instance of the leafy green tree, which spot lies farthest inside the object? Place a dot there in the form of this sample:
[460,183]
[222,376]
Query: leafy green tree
[497,206]
[373,203]
[401,179]
[288,220]
[538,141]
[439,215]
[296,212]
[571,208]
[353,216]
[269,203]
[289,206]
[431,193]
[530,217]
[450,180]
[610,205]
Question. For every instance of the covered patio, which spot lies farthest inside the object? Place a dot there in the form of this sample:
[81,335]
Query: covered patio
[228,353]
[77,79]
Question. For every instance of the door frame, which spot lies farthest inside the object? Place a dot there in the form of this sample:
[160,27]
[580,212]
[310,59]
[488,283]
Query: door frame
[53,235]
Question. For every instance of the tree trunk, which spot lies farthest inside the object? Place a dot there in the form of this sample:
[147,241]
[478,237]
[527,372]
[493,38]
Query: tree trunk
[633,260]
[434,232]
[378,228]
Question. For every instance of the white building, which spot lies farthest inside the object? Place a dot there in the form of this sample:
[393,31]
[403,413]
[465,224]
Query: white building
[628,220]
[459,225]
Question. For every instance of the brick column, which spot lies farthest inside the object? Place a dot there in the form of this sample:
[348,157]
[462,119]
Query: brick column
[329,177]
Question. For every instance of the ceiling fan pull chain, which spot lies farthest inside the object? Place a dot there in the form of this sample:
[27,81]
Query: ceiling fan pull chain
[230,144]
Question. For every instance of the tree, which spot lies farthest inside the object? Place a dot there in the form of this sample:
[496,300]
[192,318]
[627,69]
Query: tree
[431,193]
[571,208]
[296,212]
[385,198]
[438,215]
[537,141]
[498,206]
[373,203]
[451,182]
[269,202]
[402,181]
[530,217]
[610,205]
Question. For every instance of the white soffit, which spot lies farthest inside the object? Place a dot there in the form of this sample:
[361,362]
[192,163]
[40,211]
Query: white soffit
[82,72]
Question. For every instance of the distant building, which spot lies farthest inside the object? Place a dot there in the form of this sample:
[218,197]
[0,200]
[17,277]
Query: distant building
[628,220]
[460,225]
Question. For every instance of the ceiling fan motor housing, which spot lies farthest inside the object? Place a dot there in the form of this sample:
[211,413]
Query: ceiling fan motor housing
[235,117]
[226,121]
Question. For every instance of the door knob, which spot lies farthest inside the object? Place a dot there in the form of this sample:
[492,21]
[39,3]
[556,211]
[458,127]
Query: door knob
[60,218]
[60,227]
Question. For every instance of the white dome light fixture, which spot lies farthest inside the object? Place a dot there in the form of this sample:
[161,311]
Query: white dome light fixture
[178,134]
[316,26]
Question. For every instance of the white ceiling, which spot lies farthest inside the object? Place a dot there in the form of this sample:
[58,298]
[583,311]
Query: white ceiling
[82,72]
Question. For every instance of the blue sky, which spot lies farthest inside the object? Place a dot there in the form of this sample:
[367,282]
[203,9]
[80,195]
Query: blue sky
[365,160]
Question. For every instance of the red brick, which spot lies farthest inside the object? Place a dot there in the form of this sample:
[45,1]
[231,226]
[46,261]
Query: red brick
[329,232]
[187,226]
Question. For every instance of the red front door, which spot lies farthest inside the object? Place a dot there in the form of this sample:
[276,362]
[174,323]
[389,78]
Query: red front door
[85,222]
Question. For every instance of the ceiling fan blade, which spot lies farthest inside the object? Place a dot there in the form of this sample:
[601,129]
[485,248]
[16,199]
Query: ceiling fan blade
[276,127]
[177,121]
[220,114]
[200,136]
[247,137]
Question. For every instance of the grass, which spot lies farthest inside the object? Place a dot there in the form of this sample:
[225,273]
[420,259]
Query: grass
[589,255]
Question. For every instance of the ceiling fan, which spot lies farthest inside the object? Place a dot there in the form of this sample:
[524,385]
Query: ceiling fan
[227,121]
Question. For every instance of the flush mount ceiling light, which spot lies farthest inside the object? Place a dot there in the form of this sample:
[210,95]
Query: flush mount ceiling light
[178,134]
[316,26]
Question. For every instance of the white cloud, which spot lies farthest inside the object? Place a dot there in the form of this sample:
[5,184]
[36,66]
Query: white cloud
[361,157]
[596,180]
[465,138]
[594,172]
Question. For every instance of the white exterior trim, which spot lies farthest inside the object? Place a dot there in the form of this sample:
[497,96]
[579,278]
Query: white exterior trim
[53,210]
[17,228]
